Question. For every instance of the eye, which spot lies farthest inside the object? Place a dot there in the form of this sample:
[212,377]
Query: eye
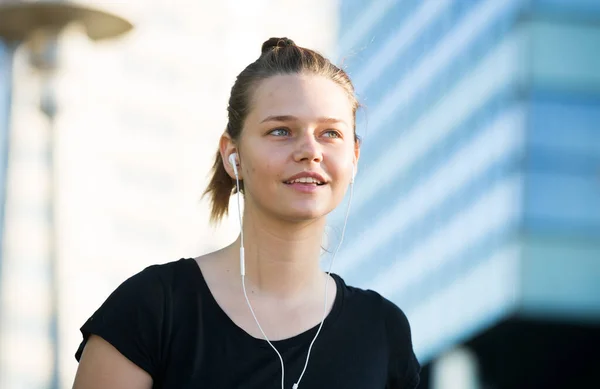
[332,134]
[280,131]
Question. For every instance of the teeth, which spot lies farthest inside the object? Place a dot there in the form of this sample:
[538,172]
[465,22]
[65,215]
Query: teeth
[305,180]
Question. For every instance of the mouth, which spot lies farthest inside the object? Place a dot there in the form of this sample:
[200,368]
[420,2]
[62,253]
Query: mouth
[305,181]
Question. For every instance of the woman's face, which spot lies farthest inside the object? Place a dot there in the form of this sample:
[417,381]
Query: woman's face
[297,147]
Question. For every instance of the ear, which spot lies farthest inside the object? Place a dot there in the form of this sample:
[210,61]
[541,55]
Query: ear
[226,148]
[356,156]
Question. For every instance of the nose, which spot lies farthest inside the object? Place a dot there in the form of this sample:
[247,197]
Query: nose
[308,148]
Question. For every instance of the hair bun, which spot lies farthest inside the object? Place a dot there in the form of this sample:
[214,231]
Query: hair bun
[273,43]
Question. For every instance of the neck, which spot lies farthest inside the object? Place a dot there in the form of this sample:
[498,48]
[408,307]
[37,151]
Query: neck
[281,259]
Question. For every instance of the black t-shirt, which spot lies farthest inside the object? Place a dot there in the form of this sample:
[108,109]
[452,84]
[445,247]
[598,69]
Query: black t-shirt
[165,320]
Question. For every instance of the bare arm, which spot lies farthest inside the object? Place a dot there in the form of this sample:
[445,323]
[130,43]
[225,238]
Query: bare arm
[103,366]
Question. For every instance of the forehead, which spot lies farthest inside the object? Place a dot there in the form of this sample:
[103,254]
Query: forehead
[305,96]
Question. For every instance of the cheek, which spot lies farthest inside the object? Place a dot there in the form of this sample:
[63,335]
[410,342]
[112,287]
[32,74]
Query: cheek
[341,165]
[267,168]
[264,170]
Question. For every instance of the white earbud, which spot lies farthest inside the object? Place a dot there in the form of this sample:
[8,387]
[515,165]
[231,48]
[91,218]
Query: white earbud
[233,162]
[353,173]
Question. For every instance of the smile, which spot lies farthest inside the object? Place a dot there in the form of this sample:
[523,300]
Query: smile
[305,181]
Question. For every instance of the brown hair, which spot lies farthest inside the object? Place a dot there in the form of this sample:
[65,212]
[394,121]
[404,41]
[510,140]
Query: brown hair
[278,56]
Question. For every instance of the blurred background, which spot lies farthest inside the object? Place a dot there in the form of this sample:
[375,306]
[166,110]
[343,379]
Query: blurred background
[476,206]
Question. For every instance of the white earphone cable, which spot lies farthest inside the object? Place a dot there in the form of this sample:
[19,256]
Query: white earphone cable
[295,386]
[243,274]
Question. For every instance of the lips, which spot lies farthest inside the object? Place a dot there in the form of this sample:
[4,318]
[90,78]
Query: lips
[306,178]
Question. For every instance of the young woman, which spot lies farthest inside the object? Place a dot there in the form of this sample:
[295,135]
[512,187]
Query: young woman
[260,313]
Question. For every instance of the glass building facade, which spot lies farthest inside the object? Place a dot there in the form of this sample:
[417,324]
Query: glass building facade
[477,196]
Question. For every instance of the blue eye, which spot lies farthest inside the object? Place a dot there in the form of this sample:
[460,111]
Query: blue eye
[280,132]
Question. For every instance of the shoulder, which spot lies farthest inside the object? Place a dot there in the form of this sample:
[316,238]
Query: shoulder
[166,271]
[368,299]
[159,278]
[404,367]
[146,294]
[132,316]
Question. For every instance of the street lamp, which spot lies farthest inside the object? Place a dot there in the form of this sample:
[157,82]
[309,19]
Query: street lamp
[19,18]
[37,25]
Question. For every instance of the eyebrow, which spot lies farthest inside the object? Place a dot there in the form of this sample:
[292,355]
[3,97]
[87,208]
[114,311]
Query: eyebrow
[290,118]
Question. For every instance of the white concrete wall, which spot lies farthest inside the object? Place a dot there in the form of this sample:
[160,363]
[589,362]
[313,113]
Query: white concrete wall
[137,129]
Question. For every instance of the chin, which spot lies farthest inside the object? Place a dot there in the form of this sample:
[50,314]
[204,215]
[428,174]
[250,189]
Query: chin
[304,214]
[295,210]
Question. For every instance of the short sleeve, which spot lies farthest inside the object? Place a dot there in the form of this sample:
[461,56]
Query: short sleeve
[404,368]
[131,320]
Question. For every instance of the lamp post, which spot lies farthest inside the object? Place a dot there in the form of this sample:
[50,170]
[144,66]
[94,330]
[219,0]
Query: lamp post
[37,26]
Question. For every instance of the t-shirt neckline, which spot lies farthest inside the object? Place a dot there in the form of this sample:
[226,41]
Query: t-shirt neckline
[299,339]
